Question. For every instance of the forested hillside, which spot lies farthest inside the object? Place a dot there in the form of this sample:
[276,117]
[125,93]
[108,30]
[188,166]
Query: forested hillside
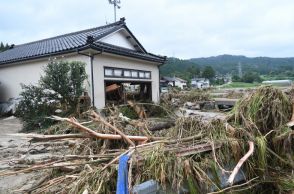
[276,68]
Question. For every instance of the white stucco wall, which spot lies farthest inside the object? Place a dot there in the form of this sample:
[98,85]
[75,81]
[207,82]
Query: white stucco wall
[11,76]
[100,61]
[119,39]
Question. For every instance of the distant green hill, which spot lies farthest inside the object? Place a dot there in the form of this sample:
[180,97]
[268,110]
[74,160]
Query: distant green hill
[273,68]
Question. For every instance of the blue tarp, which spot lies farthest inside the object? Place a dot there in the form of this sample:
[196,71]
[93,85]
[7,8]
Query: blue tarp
[122,178]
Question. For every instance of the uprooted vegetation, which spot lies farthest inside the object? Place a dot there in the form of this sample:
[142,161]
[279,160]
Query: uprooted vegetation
[179,98]
[192,153]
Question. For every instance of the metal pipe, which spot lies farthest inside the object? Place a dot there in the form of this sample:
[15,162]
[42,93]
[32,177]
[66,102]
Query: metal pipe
[91,56]
[92,79]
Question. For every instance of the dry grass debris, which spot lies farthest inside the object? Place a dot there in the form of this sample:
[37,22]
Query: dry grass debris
[192,153]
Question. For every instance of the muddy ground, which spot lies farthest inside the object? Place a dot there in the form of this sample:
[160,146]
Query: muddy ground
[12,150]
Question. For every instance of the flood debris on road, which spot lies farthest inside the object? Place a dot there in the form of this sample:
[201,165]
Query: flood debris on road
[250,150]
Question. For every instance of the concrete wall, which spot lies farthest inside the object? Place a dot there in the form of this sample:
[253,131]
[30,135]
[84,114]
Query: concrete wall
[100,61]
[11,76]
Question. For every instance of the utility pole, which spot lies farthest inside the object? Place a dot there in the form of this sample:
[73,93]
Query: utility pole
[240,70]
[115,6]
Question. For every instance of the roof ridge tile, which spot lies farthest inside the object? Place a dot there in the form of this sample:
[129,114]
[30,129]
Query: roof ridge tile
[74,33]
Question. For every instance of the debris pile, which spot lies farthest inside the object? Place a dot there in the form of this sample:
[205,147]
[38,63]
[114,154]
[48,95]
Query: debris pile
[179,98]
[251,152]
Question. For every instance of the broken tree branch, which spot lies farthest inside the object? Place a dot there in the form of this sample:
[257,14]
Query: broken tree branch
[100,135]
[40,138]
[215,159]
[138,109]
[234,186]
[240,163]
[98,118]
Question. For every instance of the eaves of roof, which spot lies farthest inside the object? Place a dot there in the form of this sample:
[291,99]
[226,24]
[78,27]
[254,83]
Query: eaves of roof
[98,47]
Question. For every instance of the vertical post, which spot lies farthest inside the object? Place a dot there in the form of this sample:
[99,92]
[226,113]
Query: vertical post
[92,79]
[114,7]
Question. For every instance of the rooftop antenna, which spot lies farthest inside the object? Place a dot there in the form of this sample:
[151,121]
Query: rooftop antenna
[115,5]
[105,20]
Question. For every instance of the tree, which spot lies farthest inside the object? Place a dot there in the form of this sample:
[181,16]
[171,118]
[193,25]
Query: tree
[59,88]
[65,78]
[250,77]
[208,72]
[193,71]
[236,78]
[3,48]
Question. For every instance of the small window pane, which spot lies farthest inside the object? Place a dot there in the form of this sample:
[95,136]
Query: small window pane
[118,72]
[147,75]
[141,74]
[108,72]
[127,73]
[134,74]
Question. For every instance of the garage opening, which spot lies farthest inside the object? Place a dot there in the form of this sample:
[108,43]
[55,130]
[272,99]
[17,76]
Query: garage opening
[119,92]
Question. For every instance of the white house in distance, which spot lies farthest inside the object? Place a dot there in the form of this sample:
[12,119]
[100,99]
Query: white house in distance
[175,82]
[111,52]
[200,83]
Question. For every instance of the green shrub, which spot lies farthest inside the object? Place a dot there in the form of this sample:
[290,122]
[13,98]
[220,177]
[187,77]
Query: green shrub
[36,105]
[128,112]
[58,89]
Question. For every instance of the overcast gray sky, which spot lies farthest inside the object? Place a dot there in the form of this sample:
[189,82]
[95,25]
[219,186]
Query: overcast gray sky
[180,28]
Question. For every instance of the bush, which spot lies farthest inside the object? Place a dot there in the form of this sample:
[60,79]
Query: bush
[236,78]
[36,105]
[128,112]
[58,89]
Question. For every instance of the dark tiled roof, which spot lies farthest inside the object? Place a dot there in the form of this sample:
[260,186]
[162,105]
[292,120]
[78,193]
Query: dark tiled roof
[170,79]
[127,52]
[71,42]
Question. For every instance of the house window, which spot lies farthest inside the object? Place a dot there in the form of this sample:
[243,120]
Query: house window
[135,74]
[141,74]
[108,72]
[126,73]
[147,75]
[118,72]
